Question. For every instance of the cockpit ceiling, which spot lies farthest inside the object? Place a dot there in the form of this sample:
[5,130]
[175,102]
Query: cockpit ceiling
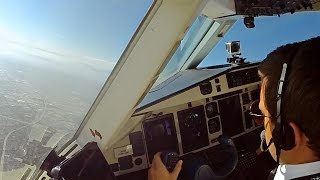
[276,7]
[225,8]
[316,6]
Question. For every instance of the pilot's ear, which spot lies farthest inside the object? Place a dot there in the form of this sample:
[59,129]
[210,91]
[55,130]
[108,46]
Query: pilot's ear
[298,135]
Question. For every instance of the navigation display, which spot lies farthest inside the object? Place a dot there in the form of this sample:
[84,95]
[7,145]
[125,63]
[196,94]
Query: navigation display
[193,128]
[160,135]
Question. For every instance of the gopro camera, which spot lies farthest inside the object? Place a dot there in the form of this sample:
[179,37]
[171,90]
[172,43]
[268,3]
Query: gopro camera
[233,48]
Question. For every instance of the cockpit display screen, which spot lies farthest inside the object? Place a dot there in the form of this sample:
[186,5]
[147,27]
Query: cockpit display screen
[231,115]
[160,135]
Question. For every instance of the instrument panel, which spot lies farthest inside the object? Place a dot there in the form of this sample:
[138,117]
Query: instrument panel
[190,126]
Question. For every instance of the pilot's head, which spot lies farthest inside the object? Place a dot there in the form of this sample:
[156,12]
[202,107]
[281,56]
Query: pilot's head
[300,102]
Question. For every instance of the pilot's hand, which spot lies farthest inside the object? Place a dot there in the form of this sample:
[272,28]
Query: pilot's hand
[158,170]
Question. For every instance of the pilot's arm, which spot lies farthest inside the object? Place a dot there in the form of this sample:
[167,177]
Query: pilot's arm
[158,171]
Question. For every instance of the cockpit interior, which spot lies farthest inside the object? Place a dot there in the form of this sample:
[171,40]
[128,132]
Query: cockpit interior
[186,114]
[157,99]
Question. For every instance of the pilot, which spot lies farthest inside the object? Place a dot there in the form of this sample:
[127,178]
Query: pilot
[292,129]
[290,108]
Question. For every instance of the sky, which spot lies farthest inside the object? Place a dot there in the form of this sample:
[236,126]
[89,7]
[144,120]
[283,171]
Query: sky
[269,33]
[99,28]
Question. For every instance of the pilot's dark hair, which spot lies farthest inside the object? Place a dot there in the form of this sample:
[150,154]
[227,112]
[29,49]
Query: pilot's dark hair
[301,93]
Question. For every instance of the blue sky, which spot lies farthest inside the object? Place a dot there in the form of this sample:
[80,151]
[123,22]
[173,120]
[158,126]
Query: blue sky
[269,33]
[98,28]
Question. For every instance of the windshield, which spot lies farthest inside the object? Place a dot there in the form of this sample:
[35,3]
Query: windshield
[205,40]
[268,34]
[187,46]
[55,57]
